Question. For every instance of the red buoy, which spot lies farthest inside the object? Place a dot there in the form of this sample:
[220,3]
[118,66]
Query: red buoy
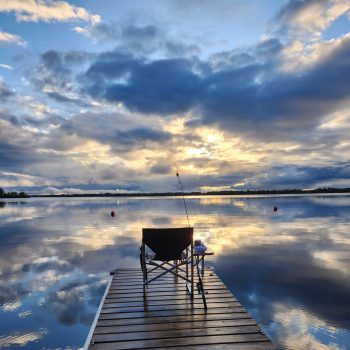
[112,214]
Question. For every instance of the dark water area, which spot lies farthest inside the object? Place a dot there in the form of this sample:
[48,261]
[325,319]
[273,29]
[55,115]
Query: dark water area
[290,268]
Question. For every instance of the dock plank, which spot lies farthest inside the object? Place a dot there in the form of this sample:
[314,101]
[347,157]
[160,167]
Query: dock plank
[169,318]
[173,319]
[188,324]
[178,333]
[179,342]
[178,296]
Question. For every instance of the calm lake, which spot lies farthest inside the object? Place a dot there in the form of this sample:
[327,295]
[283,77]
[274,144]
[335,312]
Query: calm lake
[290,268]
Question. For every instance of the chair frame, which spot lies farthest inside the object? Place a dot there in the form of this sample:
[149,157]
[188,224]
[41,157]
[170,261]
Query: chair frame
[183,268]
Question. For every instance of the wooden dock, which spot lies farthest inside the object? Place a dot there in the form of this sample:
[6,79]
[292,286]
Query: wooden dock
[169,318]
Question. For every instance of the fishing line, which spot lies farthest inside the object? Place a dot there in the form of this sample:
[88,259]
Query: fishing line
[183,195]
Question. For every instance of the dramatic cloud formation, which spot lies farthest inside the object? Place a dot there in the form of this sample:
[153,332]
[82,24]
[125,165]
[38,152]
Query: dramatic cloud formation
[129,98]
[231,95]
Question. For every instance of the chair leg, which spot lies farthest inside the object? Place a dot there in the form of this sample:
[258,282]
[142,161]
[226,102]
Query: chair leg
[192,274]
[144,268]
[176,271]
[187,254]
[200,286]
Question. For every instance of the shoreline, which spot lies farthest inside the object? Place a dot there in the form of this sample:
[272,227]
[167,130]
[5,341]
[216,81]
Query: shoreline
[258,193]
[247,193]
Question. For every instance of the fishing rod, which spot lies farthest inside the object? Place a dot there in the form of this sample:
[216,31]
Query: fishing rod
[200,286]
[183,195]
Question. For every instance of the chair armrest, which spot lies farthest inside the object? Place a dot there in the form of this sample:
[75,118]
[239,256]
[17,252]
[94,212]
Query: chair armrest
[207,252]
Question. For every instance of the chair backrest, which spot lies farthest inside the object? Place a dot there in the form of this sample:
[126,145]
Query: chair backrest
[167,243]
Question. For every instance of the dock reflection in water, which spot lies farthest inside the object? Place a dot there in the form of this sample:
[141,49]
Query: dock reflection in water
[289,268]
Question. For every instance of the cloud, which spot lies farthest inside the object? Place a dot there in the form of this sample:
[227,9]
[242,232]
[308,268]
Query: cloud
[57,191]
[25,159]
[162,86]
[250,98]
[297,17]
[302,32]
[65,99]
[140,33]
[8,38]
[150,102]
[237,100]
[52,151]
[115,32]
[14,157]
[148,39]
[134,136]
[114,129]
[161,168]
[47,11]
[54,75]
[5,91]
[288,175]
[6,66]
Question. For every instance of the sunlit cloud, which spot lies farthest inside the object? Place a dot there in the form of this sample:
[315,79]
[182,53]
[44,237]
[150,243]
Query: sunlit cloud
[268,114]
[8,38]
[47,11]
[299,19]
[298,55]
[303,31]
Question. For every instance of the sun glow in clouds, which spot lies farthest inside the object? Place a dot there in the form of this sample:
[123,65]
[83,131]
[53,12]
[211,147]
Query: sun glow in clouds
[129,97]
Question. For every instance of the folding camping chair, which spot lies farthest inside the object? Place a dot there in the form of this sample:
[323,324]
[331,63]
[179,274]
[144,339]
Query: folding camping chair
[171,252]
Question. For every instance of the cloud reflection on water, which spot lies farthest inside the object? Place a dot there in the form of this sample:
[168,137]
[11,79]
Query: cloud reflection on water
[21,339]
[298,259]
[54,261]
[298,329]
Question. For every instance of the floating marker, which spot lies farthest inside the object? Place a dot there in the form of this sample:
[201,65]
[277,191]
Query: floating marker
[112,214]
[275,208]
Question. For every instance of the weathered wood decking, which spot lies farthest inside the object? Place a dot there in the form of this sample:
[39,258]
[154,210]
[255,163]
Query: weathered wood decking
[170,319]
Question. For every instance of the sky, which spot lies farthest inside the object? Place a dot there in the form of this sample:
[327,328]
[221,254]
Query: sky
[117,96]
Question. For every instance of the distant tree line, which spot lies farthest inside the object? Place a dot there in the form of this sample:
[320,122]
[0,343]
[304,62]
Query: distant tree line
[211,193]
[4,194]
[282,191]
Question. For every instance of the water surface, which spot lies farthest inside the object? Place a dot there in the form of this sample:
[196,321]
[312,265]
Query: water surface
[289,268]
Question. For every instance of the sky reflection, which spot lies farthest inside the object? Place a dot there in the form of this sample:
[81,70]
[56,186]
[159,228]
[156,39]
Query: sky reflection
[289,268]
